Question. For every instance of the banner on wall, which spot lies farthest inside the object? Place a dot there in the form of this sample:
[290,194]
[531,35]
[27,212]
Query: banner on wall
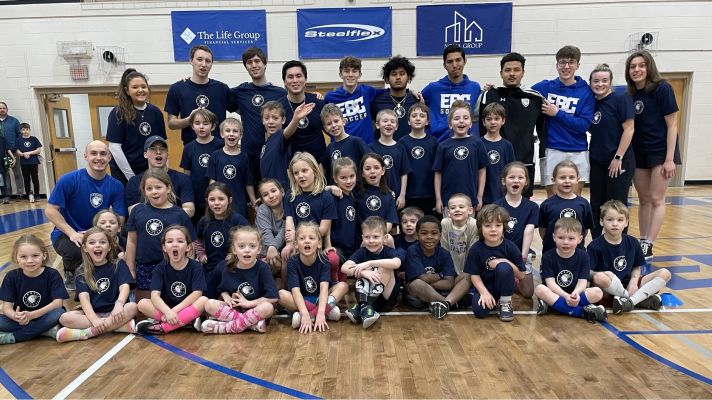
[338,32]
[477,28]
[227,33]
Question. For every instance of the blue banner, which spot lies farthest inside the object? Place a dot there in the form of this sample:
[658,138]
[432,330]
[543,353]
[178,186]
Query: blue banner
[339,32]
[227,33]
[477,28]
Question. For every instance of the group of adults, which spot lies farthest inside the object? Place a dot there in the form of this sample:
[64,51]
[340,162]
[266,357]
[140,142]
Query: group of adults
[11,177]
[81,194]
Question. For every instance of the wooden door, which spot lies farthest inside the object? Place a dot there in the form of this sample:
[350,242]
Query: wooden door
[175,144]
[62,149]
[679,85]
[100,105]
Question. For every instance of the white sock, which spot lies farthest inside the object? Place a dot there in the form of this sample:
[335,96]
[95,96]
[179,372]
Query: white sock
[648,290]
[616,288]
[505,299]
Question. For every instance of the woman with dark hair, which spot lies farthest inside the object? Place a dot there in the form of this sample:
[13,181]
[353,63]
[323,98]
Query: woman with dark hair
[130,124]
[654,143]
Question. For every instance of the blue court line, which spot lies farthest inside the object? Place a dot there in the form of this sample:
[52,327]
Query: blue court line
[21,220]
[15,390]
[688,332]
[2,268]
[624,337]
[230,372]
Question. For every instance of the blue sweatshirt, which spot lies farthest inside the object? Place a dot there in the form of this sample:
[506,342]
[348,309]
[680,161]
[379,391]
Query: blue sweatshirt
[440,95]
[566,131]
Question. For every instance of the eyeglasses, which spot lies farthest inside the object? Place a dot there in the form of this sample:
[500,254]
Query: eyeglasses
[564,63]
[158,149]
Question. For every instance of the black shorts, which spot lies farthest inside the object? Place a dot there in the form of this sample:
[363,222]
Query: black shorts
[384,305]
[649,160]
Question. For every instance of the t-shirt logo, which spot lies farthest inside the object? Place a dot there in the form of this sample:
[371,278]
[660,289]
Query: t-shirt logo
[229,171]
[417,152]
[525,102]
[245,289]
[145,128]
[511,224]
[96,199]
[202,101]
[350,213]
[487,263]
[567,213]
[258,100]
[336,154]
[373,203]
[564,278]
[388,161]
[203,160]
[178,289]
[303,210]
[262,152]
[310,284]
[429,270]
[353,110]
[461,152]
[446,100]
[303,123]
[28,144]
[596,117]
[620,263]
[31,299]
[217,239]
[154,227]
[102,285]
[639,106]
[493,156]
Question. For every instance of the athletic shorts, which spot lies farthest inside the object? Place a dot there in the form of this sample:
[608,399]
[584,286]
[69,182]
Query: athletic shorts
[553,157]
[645,160]
[384,305]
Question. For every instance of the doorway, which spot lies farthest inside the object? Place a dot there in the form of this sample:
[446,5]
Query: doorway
[680,85]
[62,149]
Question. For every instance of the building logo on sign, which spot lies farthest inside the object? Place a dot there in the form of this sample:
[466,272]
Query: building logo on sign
[467,35]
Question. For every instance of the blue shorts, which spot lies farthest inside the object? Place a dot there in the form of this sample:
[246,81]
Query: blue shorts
[143,276]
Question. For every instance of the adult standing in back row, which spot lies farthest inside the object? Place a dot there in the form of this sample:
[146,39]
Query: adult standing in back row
[10,128]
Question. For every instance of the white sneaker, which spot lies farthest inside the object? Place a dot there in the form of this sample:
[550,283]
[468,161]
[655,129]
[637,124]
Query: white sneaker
[334,314]
[296,320]
[32,198]
[260,326]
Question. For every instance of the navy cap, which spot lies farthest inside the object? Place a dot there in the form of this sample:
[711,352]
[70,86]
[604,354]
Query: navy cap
[153,139]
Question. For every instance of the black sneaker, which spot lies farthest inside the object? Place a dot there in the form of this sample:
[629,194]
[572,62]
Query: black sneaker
[148,327]
[506,313]
[369,316]
[542,308]
[622,304]
[69,280]
[647,247]
[593,313]
[439,309]
[532,253]
[654,302]
[354,313]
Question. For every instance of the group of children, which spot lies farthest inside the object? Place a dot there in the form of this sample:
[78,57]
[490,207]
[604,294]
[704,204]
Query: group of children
[26,152]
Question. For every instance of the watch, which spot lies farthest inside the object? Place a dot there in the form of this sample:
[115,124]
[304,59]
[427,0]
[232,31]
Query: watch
[618,157]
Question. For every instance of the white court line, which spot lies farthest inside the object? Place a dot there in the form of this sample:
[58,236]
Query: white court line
[93,368]
[411,313]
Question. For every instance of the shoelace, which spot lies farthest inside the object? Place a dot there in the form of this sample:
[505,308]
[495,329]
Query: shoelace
[506,307]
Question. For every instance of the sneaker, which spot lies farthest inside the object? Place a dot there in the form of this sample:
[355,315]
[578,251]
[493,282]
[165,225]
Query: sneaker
[622,304]
[542,308]
[32,198]
[369,316]
[296,320]
[532,253]
[51,332]
[334,314]
[149,328]
[7,338]
[354,313]
[6,200]
[654,302]
[209,326]
[647,247]
[594,313]
[439,309]
[69,280]
[260,326]
[506,313]
[197,324]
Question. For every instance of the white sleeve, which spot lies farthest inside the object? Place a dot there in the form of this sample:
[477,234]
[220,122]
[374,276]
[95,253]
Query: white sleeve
[118,154]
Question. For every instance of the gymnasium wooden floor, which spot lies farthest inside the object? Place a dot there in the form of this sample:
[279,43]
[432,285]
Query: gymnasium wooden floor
[644,354]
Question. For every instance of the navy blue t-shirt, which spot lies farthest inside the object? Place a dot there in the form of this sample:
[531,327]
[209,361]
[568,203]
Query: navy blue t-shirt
[309,207]
[195,159]
[150,223]
[249,99]
[480,253]
[132,136]
[373,202]
[421,155]
[607,126]
[182,188]
[417,263]
[176,285]
[309,136]
[400,105]
[650,111]
[215,234]
[565,271]
[556,207]
[343,227]
[397,164]
[26,145]
[352,147]
[356,109]
[32,293]
[307,277]
[253,283]
[362,255]
[402,245]
[527,212]
[185,96]
[234,171]
[275,157]
[459,161]
[107,278]
[499,154]
[618,258]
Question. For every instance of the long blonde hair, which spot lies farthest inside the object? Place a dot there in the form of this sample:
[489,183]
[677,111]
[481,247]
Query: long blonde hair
[162,176]
[111,257]
[319,178]
[231,257]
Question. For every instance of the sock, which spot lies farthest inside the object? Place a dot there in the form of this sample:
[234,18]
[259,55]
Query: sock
[616,288]
[583,301]
[129,327]
[185,316]
[505,299]
[331,300]
[225,313]
[70,334]
[648,290]
[245,320]
[561,306]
